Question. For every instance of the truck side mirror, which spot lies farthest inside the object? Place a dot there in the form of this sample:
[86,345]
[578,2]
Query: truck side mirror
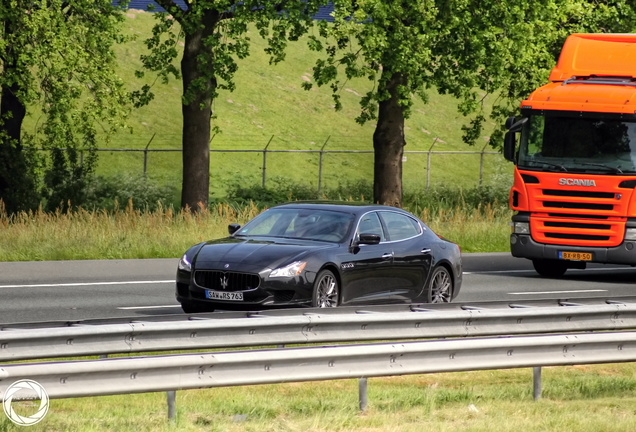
[510,139]
[510,143]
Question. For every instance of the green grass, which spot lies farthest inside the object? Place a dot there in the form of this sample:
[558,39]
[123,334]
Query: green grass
[593,398]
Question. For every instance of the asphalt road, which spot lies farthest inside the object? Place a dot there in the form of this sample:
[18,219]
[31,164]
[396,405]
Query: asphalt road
[76,290]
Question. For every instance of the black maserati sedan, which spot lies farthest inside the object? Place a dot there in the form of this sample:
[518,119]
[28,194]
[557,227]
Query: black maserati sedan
[320,255]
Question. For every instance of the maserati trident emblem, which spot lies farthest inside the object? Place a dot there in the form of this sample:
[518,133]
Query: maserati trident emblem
[224,282]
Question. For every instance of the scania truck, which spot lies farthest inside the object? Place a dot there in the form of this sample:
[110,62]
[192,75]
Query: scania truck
[574,150]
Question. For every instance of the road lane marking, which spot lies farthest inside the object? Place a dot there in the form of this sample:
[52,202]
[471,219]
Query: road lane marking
[148,307]
[569,270]
[558,292]
[87,284]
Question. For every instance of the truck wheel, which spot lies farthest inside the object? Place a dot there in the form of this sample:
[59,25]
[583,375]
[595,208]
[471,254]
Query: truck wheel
[550,268]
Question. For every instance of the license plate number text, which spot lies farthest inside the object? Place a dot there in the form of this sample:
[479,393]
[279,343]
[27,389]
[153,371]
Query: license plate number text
[220,295]
[577,256]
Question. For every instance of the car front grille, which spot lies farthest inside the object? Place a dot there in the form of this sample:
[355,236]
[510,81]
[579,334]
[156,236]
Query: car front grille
[226,281]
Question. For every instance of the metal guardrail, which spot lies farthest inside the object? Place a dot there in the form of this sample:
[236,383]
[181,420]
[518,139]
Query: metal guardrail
[453,341]
[206,370]
[215,331]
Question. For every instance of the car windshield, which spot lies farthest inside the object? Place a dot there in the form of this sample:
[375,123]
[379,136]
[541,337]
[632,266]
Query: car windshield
[573,144]
[299,223]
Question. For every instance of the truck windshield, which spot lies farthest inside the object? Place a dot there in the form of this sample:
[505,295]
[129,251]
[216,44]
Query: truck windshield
[576,144]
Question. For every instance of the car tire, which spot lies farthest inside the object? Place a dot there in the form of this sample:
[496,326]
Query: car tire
[326,290]
[550,268]
[194,308]
[440,286]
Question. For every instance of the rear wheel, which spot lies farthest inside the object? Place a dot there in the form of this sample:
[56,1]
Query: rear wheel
[326,290]
[550,268]
[440,286]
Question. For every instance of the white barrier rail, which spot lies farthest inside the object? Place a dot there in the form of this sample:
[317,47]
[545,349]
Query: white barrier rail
[301,327]
[204,370]
[590,329]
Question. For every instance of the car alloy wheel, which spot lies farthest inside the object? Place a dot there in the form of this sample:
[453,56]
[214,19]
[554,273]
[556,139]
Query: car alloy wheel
[326,290]
[440,288]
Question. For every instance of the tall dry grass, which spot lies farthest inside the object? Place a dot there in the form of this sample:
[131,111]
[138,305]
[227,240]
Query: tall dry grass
[165,233]
[123,233]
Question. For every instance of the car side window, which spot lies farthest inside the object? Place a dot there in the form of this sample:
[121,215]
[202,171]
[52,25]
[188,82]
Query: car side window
[399,226]
[370,224]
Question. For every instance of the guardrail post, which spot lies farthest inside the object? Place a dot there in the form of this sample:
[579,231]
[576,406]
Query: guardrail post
[171,397]
[536,378]
[362,392]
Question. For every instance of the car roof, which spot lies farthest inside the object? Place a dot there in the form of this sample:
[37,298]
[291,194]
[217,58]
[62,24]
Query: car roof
[347,206]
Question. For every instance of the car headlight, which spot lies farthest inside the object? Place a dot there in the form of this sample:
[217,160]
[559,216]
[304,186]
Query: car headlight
[630,234]
[521,228]
[185,264]
[291,270]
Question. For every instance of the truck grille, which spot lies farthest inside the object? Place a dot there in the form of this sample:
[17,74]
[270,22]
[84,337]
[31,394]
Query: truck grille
[578,217]
[226,281]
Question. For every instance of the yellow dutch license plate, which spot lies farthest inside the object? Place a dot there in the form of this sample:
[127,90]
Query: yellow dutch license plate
[576,256]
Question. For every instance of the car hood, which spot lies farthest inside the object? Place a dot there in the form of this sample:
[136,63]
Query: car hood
[254,255]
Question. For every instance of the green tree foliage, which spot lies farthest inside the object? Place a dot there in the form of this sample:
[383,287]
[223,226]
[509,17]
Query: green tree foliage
[56,63]
[215,34]
[465,48]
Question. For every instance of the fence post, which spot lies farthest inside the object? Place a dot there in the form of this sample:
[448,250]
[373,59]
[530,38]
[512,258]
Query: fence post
[265,161]
[320,164]
[428,164]
[481,165]
[146,153]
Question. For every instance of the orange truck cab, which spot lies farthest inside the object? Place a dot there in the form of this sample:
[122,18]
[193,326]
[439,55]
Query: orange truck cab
[574,150]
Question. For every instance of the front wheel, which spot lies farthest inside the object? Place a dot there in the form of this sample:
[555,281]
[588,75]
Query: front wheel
[550,268]
[326,290]
[440,286]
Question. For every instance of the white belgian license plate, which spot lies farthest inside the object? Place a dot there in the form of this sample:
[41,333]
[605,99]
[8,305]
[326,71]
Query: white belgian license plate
[577,256]
[221,295]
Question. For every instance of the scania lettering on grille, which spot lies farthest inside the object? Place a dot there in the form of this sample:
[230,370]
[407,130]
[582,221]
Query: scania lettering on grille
[576,182]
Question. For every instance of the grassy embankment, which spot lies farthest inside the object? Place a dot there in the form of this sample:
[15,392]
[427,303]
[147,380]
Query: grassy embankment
[268,103]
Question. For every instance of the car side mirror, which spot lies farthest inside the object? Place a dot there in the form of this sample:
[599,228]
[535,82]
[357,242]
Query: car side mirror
[369,239]
[232,228]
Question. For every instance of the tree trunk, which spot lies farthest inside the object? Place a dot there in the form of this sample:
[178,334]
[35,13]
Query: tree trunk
[16,186]
[197,113]
[388,146]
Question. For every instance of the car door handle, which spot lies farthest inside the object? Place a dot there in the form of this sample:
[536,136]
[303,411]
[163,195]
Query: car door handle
[425,251]
[387,255]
